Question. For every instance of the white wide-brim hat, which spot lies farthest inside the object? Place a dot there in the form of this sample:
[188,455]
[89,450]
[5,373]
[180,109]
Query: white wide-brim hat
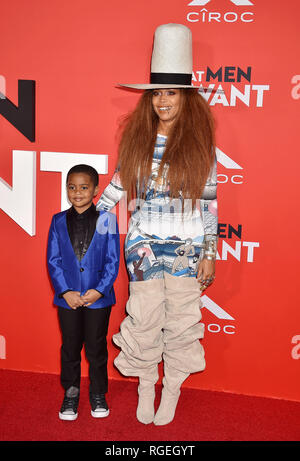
[172,59]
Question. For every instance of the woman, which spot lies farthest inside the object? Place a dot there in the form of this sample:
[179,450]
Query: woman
[167,163]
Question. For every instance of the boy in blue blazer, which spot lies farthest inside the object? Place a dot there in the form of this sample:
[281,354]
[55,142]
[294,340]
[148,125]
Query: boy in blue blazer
[83,262]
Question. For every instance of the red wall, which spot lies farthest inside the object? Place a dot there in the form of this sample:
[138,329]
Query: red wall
[77,51]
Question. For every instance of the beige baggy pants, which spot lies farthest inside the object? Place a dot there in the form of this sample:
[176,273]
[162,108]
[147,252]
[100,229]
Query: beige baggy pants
[162,323]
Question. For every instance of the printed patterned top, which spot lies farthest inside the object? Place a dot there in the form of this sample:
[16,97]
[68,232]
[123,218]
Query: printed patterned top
[160,215]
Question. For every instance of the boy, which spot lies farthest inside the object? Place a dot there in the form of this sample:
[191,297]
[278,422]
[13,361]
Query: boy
[83,262]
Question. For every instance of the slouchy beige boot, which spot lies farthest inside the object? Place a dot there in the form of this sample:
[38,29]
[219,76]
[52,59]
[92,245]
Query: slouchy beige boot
[170,394]
[140,340]
[166,411]
[183,354]
[145,408]
[140,336]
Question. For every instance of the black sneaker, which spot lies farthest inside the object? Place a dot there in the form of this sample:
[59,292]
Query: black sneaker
[99,406]
[68,411]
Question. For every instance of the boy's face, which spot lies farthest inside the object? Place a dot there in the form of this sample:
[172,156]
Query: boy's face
[81,191]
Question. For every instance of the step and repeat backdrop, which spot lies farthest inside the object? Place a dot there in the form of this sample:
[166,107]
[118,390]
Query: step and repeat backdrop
[60,104]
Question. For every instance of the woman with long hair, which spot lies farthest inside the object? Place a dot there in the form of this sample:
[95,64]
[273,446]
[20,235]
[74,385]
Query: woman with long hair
[167,166]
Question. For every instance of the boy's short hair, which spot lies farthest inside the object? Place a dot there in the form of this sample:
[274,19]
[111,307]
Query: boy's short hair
[87,169]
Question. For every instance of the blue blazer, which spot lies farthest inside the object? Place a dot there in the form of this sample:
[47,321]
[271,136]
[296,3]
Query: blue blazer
[98,268]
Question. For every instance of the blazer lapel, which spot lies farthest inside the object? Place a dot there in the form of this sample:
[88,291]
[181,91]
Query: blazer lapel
[68,249]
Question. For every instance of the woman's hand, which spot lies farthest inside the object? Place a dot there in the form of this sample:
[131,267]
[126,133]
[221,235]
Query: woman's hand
[206,272]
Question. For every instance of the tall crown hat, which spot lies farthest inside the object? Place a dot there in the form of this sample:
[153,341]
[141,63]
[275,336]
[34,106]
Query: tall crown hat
[172,59]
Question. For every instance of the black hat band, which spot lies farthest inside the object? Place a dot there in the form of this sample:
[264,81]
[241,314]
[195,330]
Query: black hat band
[170,79]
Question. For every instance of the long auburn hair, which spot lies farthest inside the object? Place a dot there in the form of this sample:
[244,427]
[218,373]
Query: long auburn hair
[189,152]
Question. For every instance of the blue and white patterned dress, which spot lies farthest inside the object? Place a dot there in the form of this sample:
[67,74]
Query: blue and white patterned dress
[165,234]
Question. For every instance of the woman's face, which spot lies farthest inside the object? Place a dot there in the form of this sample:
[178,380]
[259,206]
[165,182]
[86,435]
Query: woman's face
[166,105]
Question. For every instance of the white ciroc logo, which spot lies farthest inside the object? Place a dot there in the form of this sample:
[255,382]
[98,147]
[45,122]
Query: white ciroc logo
[214,308]
[204,2]
[226,161]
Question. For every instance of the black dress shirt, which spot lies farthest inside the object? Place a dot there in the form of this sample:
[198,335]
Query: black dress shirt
[81,228]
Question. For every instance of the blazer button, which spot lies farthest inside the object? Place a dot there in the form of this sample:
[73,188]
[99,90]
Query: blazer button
[81,269]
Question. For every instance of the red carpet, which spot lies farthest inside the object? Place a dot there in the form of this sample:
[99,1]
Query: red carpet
[29,405]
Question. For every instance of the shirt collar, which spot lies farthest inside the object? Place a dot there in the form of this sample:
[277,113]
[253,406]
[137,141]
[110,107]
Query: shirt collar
[89,212]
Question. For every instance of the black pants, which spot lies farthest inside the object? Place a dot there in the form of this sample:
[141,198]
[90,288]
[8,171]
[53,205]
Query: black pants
[87,327]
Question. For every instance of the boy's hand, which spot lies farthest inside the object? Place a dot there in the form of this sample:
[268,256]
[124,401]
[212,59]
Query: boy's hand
[90,296]
[73,299]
